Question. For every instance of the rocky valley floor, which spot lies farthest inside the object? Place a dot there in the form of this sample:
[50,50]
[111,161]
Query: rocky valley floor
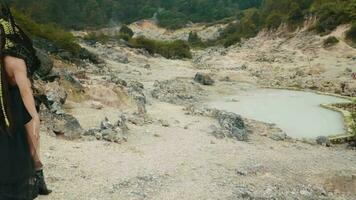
[171,148]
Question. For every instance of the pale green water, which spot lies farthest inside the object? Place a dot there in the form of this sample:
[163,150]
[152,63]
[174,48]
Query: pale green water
[295,112]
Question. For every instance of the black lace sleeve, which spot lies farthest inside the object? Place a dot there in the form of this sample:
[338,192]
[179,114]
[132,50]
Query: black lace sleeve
[17,43]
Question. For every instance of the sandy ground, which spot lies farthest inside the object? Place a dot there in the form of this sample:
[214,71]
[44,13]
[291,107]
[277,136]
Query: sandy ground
[185,162]
[178,163]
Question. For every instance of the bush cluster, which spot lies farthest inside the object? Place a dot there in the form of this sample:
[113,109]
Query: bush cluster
[51,32]
[194,40]
[332,13]
[97,37]
[351,34]
[125,33]
[272,13]
[173,50]
[330,41]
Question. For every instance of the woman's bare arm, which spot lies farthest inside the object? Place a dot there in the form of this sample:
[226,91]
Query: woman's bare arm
[17,69]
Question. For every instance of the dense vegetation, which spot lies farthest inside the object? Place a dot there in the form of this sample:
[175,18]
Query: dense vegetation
[329,13]
[351,34]
[176,50]
[50,32]
[171,13]
[330,41]
[246,17]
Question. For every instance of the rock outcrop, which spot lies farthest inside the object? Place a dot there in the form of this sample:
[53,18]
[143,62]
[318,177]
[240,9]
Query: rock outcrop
[62,125]
[204,79]
[233,124]
[177,91]
[110,132]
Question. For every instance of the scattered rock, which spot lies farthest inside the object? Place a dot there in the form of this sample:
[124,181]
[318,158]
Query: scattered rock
[114,54]
[204,79]
[136,90]
[164,123]
[84,54]
[324,141]
[118,81]
[234,124]
[41,43]
[65,55]
[106,124]
[96,105]
[52,95]
[278,136]
[113,135]
[65,125]
[252,170]
[46,63]
[218,132]
[110,132]
[226,79]
[244,67]
[147,66]
[177,91]
[91,132]
[121,122]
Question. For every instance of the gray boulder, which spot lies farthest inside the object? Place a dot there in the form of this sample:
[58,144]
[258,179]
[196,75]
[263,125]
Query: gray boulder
[113,135]
[66,125]
[324,141]
[203,79]
[110,132]
[135,89]
[177,91]
[46,63]
[118,81]
[234,124]
[106,124]
[52,95]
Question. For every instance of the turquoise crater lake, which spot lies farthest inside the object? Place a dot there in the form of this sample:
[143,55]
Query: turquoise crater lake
[297,113]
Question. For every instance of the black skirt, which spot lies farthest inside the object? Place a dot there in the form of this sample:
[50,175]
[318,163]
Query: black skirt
[17,180]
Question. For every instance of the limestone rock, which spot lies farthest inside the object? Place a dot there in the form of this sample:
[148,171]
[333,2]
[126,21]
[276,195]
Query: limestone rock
[234,124]
[65,125]
[136,91]
[52,95]
[324,141]
[46,63]
[177,91]
[204,79]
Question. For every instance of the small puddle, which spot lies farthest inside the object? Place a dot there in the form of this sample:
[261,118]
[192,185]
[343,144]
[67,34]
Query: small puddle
[297,113]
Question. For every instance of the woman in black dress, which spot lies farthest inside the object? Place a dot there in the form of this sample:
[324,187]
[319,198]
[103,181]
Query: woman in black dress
[21,175]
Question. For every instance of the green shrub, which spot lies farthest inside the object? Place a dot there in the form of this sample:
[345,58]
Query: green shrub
[194,40]
[351,34]
[332,13]
[231,40]
[51,32]
[247,27]
[295,14]
[330,41]
[97,37]
[172,19]
[126,31]
[274,20]
[176,50]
